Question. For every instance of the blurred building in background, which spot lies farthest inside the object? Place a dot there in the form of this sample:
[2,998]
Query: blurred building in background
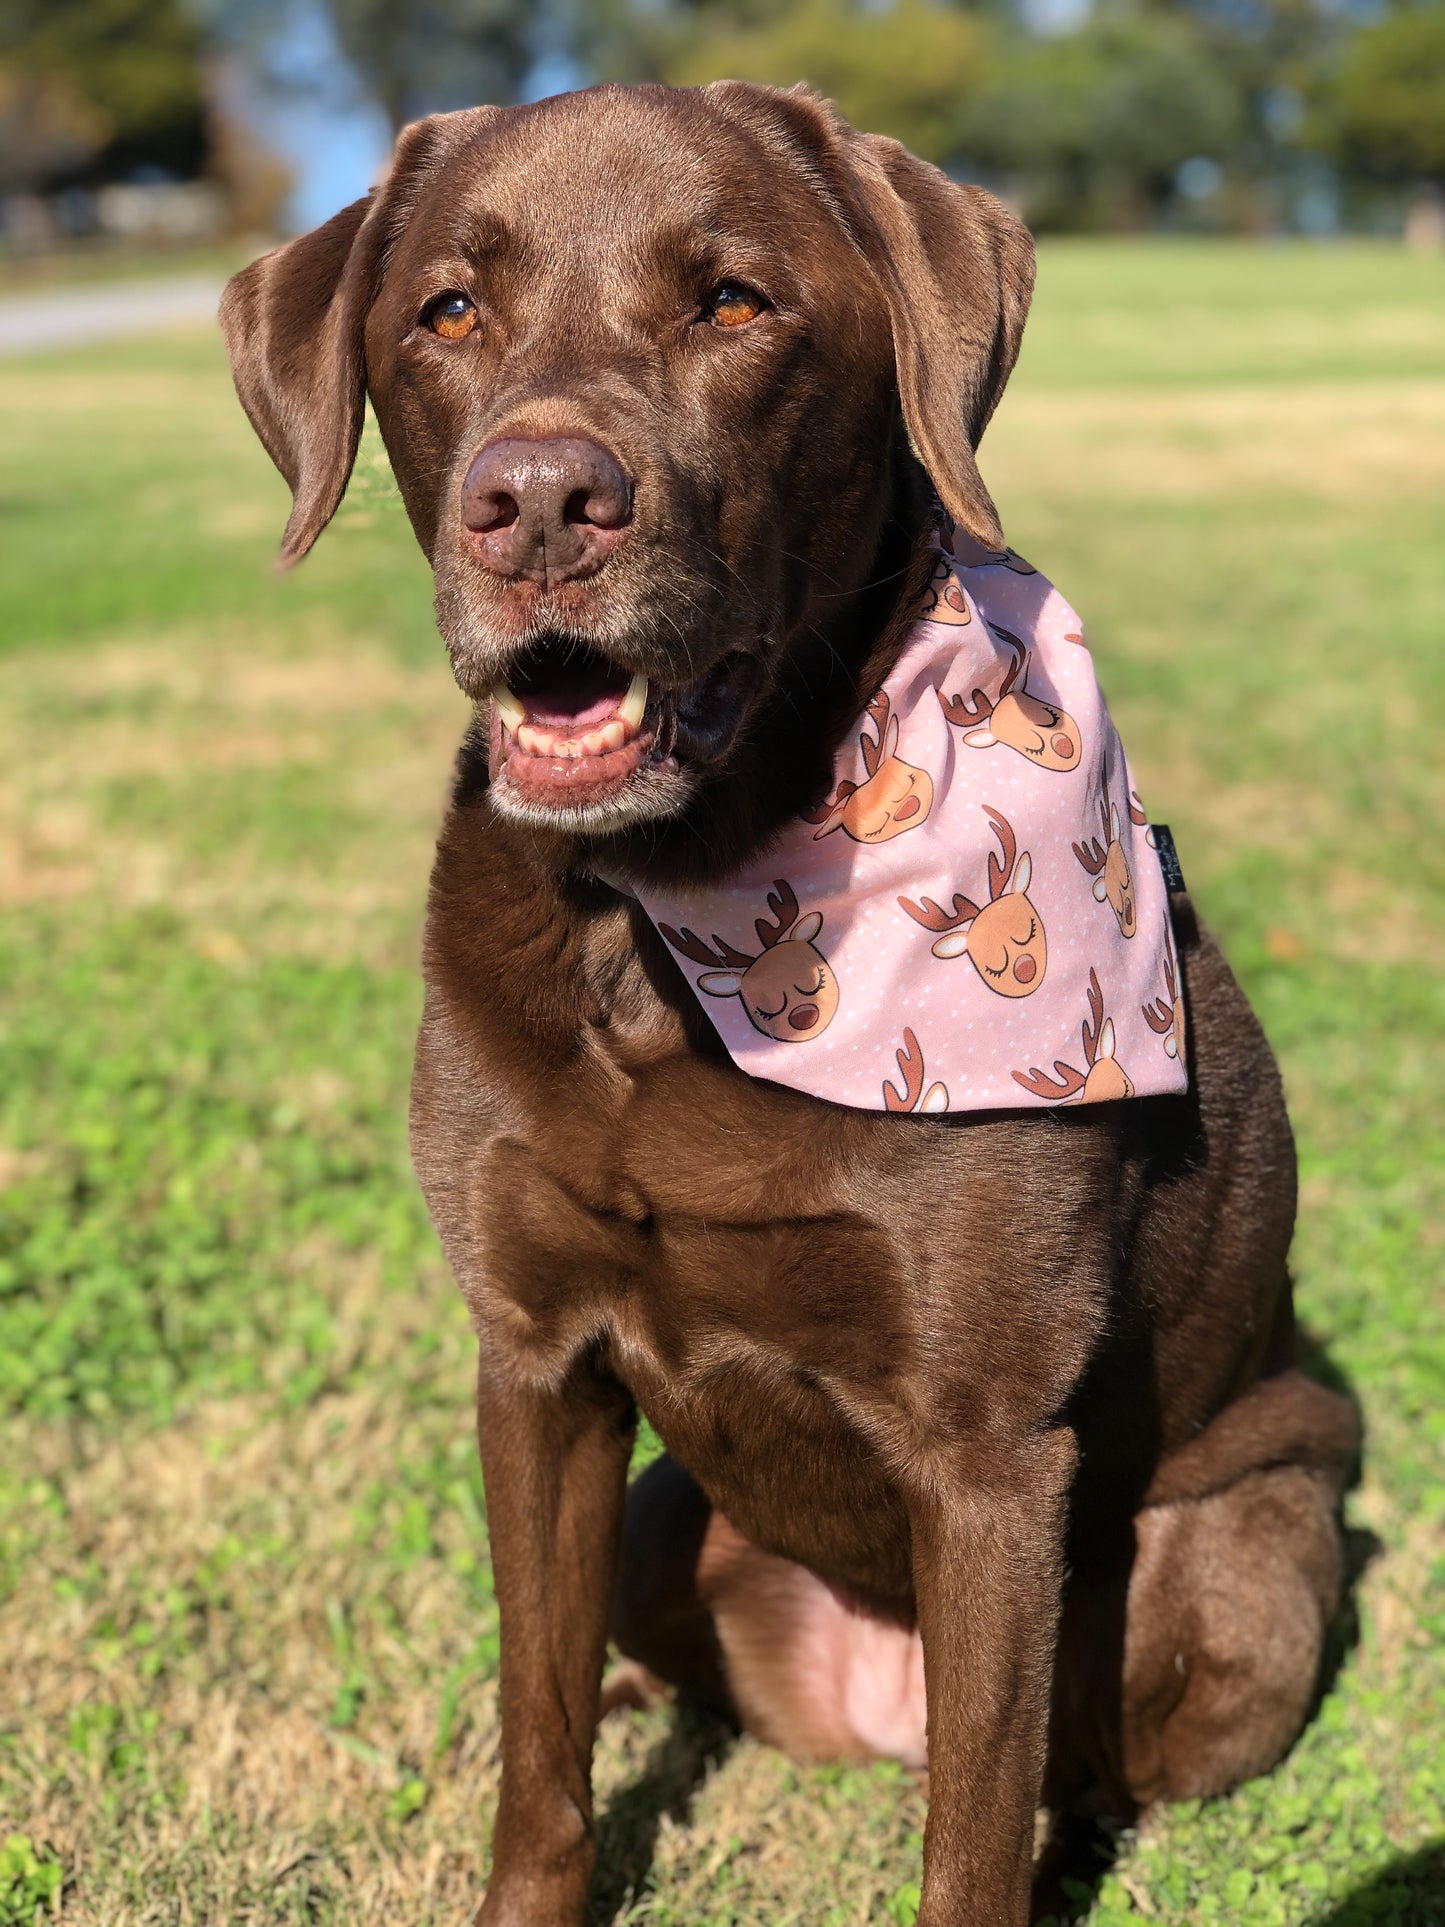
[169,121]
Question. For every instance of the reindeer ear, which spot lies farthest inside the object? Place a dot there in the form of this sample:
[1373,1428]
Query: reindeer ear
[1023,876]
[935,1099]
[1101,889]
[721,983]
[958,271]
[983,738]
[833,821]
[953,944]
[806,928]
[889,746]
[294,324]
[1106,1039]
[1113,822]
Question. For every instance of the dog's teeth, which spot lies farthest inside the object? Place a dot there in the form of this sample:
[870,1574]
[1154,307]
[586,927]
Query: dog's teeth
[612,735]
[633,703]
[507,707]
[536,742]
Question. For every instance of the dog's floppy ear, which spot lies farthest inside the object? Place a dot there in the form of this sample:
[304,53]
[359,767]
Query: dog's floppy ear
[295,323]
[958,270]
[294,342]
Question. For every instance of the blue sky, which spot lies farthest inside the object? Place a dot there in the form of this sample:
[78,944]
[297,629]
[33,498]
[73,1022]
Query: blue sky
[333,138]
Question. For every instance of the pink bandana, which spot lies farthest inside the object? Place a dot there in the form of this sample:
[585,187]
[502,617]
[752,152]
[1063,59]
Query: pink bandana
[975,919]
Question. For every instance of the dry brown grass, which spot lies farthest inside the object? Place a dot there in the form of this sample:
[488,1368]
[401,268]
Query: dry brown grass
[222,1583]
[1332,442]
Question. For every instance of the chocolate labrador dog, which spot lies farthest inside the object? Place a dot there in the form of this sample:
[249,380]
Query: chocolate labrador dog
[996,1411]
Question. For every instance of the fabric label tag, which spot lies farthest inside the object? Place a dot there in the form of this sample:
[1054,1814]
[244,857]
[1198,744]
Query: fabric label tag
[1168,859]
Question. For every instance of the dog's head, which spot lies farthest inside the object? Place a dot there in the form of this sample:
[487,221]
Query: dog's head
[649,364]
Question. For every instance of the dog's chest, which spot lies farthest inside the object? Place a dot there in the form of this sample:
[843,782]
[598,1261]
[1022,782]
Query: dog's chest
[796,1294]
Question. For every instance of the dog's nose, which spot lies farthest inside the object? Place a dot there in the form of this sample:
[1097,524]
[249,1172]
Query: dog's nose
[550,511]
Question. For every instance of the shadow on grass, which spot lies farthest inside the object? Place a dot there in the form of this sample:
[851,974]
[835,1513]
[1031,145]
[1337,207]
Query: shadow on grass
[1408,1893]
[627,1832]
[1360,1546]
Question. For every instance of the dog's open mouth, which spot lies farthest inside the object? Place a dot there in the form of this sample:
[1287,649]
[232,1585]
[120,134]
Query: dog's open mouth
[573,732]
[570,728]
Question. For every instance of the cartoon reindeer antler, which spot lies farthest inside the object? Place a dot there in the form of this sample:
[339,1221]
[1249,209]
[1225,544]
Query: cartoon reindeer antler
[879,713]
[1137,813]
[719,952]
[1039,1084]
[934,917]
[1092,1031]
[1094,854]
[1160,1015]
[910,1067]
[783,902]
[1096,1034]
[1000,872]
[968,713]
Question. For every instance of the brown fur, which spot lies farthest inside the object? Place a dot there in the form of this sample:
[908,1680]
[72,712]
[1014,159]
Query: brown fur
[918,1369]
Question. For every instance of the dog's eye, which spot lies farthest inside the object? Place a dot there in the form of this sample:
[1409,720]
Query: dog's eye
[451,316]
[732,305]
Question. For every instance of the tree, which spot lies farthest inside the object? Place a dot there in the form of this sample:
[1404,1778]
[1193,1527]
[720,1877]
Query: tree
[126,71]
[904,71]
[1385,114]
[1092,126]
[426,56]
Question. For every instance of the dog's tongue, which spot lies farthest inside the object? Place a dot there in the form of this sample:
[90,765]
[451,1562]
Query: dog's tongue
[574,695]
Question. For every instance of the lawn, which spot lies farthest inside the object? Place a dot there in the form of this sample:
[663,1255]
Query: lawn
[247,1635]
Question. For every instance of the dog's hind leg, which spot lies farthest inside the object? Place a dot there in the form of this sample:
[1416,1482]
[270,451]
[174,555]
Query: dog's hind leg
[757,1638]
[660,1624]
[1229,1603]
[1236,1578]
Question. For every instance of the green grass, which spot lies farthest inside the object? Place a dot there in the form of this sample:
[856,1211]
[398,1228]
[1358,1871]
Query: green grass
[247,1636]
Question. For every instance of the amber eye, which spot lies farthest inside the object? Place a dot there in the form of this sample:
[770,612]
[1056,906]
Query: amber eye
[732,305]
[451,316]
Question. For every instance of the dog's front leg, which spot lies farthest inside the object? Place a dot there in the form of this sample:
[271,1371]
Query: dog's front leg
[987,1531]
[554,1461]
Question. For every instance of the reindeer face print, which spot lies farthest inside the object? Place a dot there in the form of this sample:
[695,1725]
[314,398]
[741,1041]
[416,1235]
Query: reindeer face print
[1004,938]
[1006,941]
[1108,864]
[895,796]
[1103,1079]
[1047,735]
[1107,1078]
[943,599]
[789,991]
[898,798]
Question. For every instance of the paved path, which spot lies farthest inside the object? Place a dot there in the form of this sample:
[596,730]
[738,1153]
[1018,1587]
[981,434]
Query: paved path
[72,317]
